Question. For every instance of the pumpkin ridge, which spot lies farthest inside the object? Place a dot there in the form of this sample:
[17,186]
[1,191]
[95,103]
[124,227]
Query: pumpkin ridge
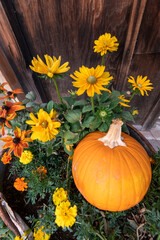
[121,180]
[124,153]
[142,169]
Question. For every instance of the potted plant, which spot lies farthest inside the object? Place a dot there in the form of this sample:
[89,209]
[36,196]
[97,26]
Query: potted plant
[44,139]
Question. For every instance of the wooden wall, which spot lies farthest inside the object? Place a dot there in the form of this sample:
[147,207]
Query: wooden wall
[69,28]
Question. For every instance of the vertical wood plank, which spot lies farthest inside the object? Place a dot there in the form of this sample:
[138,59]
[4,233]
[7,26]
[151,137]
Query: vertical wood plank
[12,51]
[132,34]
[153,115]
[9,74]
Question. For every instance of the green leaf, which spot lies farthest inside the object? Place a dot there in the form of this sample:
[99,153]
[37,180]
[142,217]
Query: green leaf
[80,102]
[3,231]
[87,108]
[66,125]
[49,151]
[72,141]
[25,101]
[73,116]
[75,127]
[70,101]
[127,116]
[31,96]
[103,128]
[68,135]
[95,124]
[50,106]
[105,96]
[88,121]
[43,105]
[31,104]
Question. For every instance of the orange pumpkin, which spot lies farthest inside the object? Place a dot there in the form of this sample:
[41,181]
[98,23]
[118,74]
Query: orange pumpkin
[113,171]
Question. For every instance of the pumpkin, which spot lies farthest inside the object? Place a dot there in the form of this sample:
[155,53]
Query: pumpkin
[112,171]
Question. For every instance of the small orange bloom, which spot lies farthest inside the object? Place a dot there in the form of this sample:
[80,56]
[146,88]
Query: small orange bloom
[42,171]
[20,185]
[2,89]
[11,94]
[152,161]
[4,121]
[11,108]
[6,158]
[17,143]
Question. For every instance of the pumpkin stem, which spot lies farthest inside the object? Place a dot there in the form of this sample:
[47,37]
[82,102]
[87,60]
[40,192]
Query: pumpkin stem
[113,137]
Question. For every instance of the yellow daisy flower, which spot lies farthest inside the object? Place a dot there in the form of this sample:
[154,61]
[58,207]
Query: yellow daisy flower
[40,235]
[45,126]
[135,112]
[122,98]
[26,157]
[141,84]
[51,67]
[106,43]
[59,195]
[91,80]
[65,215]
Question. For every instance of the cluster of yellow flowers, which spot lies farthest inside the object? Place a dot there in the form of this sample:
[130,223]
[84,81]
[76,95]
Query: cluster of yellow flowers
[38,234]
[92,79]
[65,215]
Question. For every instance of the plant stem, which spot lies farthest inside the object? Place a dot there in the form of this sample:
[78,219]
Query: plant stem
[102,60]
[106,223]
[55,83]
[92,102]
[100,236]
[132,96]
[98,98]
[67,172]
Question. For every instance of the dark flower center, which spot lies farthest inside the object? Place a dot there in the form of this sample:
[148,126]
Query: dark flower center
[44,124]
[2,120]
[5,107]
[16,140]
[9,93]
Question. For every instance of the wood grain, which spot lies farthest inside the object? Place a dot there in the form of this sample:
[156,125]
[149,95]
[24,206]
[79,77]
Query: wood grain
[69,28]
[11,50]
[131,38]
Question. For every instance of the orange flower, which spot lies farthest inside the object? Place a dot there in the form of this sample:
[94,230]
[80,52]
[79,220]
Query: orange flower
[2,89]
[17,143]
[4,121]
[12,94]
[152,161]
[20,185]
[42,171]
[11,108]
[6,158]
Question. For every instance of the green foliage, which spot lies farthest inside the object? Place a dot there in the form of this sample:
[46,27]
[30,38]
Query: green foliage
[78,118]
[5,232]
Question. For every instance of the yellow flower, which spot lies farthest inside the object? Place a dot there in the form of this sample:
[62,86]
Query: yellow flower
[122,98]
[26,157]
[51,67]
[106,43]
[141,84]
[18,238]
[40,235]
[59,195]
[45,127]
[91,80]
[65,215]
[135,112]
